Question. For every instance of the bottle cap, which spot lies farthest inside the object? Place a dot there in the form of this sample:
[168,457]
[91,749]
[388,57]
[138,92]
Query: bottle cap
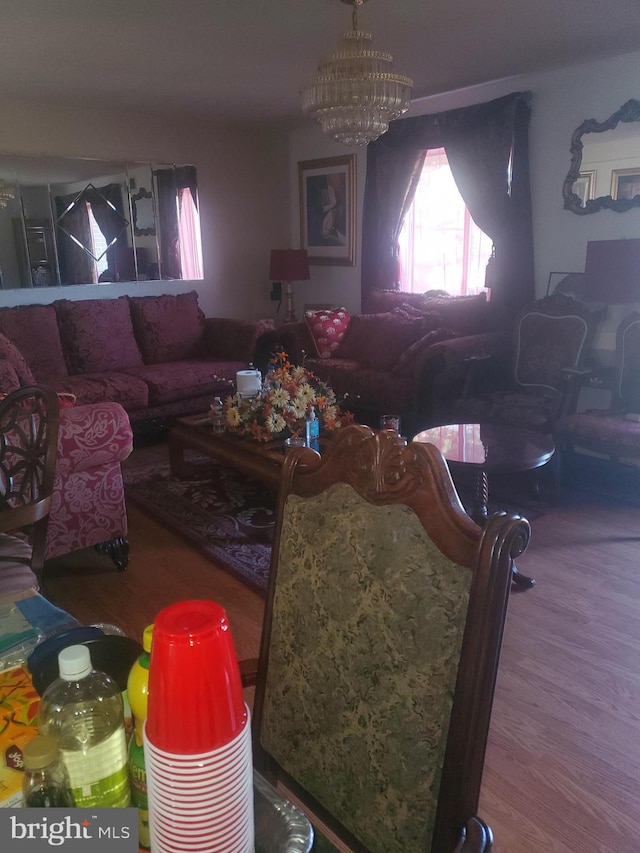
[74,663]
[40,752]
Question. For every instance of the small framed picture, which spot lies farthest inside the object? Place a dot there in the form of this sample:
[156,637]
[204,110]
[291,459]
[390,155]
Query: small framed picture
[625,183]
[328,210]
[585,185]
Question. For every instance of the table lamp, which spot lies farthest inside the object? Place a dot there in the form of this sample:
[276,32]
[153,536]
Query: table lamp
[289,265]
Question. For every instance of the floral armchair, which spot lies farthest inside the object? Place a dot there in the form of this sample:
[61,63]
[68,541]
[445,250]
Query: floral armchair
[88,504]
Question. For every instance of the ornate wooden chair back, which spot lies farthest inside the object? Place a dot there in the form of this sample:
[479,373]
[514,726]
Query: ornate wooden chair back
[380,647]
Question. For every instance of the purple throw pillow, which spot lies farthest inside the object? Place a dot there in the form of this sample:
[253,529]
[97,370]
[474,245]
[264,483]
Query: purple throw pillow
[34,330]
[168,328]
[97,335]
[378,340]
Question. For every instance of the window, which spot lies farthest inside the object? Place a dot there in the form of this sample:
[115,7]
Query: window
[441,247]
[190,241]
[98,245]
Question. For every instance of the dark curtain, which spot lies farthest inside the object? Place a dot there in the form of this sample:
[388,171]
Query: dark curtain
[186,179]
[76,266]
[484,143]
[108,211]
[168,234]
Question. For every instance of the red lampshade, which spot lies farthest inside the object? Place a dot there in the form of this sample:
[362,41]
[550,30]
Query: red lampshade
[612,271]
[289,265]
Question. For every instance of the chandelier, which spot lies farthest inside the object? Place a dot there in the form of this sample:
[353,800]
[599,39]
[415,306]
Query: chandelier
[6,194]
[355,93]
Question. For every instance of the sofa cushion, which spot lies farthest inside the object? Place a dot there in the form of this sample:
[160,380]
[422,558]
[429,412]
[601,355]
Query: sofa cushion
[10,353]
[34,330]
[182,380]
[377,389]
[97,335]
[377,340]
[327,329]
[167,328]
[129,391]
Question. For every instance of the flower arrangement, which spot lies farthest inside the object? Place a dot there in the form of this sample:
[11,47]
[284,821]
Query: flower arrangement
[280,410]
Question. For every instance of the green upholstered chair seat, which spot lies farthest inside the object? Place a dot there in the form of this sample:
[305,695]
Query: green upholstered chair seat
[366,606]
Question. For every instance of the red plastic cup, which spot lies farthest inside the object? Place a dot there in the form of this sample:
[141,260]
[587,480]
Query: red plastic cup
[195,692]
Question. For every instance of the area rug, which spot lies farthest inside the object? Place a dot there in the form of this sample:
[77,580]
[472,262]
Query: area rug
[229,518]
[224,515]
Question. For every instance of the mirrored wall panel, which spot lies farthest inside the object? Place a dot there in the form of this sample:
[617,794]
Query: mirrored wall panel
[67,221]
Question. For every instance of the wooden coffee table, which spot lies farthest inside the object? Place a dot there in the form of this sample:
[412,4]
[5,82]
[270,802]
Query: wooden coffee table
[490,449]
[260,460]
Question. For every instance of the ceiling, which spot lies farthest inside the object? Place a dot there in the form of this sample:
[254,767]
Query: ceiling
[248,59]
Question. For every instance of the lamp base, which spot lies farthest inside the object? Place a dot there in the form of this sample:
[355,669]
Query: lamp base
[290,314]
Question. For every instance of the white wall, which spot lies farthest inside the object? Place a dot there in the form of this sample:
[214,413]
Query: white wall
[562,100]
[241,181]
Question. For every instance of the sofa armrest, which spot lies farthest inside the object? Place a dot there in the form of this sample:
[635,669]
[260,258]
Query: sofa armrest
[230,340]
[458,350]
[293,338]
[93,435]
[9,380]
[445,366]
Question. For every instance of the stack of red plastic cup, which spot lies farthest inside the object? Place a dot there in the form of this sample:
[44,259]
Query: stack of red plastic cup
[197,736]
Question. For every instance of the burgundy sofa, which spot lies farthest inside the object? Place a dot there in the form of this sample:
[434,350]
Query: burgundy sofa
[403,355]
[158,356]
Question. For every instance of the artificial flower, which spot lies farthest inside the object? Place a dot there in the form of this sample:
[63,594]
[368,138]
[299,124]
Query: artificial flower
[280,410]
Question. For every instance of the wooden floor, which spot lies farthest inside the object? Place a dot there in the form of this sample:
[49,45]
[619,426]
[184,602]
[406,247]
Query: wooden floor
[563,764]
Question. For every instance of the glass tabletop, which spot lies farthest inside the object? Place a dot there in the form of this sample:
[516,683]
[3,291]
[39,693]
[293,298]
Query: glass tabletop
[494,447]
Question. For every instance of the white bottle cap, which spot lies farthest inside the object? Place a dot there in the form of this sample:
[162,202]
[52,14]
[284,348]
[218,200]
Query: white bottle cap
[74,663]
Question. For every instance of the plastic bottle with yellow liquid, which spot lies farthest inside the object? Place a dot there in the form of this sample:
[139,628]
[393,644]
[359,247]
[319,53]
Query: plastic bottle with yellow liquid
[138,690]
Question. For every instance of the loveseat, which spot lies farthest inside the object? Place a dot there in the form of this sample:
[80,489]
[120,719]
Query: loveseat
[158,356]
[400,358]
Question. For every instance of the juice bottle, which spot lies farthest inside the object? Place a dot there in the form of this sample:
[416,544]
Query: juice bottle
[138,690]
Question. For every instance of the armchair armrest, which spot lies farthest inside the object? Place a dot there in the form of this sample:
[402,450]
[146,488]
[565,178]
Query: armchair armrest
[93,435]
[573,379]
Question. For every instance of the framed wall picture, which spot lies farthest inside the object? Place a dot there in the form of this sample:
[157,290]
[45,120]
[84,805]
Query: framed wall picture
[625,183]
[328,210]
